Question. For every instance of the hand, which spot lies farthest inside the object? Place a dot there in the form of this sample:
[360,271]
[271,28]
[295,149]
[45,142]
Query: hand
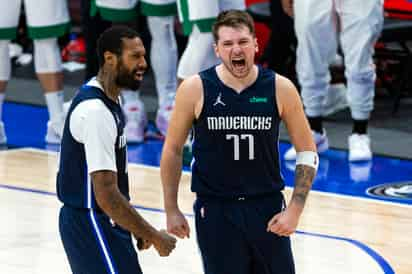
[177,224]
[164,243]
[287,6]
[283,223]
[143,244]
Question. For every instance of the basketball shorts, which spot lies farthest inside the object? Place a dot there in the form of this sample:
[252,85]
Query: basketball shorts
[94,245]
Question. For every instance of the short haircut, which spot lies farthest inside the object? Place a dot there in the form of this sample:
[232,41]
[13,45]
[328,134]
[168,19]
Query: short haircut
[112,40]
[234,19]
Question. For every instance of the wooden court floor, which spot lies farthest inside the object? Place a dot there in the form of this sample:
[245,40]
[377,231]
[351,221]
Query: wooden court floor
[337,234]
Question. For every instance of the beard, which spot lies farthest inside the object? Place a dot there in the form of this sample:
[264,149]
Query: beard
[126,79]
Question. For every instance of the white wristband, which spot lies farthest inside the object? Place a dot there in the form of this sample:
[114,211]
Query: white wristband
[308,158]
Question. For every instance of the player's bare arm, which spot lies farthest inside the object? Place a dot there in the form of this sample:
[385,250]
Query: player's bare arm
[116,206]
[188,97]
[292,114]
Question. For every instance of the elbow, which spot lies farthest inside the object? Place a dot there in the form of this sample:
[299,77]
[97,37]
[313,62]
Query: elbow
[105,198]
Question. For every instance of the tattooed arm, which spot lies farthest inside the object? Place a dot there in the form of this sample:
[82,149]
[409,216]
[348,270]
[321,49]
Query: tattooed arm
[303,182]
[291,112]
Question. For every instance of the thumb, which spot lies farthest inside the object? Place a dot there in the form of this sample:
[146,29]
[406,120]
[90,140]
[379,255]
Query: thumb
[272,222]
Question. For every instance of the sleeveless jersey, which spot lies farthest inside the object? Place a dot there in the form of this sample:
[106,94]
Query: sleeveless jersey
[235,146]
[74,186]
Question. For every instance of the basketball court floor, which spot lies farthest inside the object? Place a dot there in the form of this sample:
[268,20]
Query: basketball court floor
[358,218]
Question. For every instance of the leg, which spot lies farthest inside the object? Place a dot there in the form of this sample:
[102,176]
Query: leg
[47,63]
[314,24]
[163,56]
[358,37]
[92,245]
[222,245]
[359,34]
[4,77]
[271,254]
[8,28]
[198,55]
[47,20]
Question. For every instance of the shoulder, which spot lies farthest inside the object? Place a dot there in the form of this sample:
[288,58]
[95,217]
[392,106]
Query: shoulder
[191,87]
[93,111]
[286,93]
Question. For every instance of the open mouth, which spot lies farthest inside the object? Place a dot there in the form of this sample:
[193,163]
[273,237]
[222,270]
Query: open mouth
[238,63]
[139,75]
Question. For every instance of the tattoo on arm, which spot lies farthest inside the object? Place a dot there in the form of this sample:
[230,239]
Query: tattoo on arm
[303,181]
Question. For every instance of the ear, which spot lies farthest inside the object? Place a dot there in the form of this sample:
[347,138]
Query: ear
[110,58]
[256,45]
[216,50]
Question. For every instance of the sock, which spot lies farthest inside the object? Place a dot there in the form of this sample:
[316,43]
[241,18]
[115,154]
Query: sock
[129,96]
[316,124]
[54,101]
[2,95]
[360,126]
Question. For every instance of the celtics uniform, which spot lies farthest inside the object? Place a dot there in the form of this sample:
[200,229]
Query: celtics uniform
[45,18]
[197,17]
[114,10]
[158,7]
[203,13]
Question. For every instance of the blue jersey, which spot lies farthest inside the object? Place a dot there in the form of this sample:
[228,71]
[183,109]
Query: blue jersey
[235,147]
[74,186]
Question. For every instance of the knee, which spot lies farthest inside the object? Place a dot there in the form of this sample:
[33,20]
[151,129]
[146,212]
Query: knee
[4,60]
[47,56]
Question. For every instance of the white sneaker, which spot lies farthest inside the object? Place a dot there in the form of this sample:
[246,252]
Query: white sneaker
[3,137]
[136,121]
[54,131]
[162,118]
[321,141]
[335,99]
[359,147]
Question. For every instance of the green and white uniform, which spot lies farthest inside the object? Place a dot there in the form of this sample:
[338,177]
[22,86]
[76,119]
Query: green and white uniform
[203,13]
[197,17]
[45,18]
[114,10]
[158,7]
[163,55]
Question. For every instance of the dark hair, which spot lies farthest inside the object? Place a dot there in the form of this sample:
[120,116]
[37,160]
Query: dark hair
[234,19]
[112,40]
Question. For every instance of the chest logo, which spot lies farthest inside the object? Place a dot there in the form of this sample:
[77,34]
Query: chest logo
[219,100]
[255,100]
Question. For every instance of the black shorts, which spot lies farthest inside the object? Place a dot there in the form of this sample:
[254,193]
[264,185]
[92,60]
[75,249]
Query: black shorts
[93,245]
[232,236]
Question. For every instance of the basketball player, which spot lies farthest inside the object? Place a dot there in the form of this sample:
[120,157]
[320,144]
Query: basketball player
[235,108]
[46,20]
[197,18]
[97,220]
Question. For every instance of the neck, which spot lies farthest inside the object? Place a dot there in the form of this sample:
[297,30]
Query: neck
[236,83]
[108,82]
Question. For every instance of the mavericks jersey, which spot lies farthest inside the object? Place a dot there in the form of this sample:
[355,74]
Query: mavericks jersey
[74,185]
[235,146]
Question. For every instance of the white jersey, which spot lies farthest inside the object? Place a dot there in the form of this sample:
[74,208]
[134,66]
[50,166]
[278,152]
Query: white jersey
[93,125]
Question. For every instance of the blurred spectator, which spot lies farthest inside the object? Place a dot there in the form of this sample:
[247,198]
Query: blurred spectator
[197,18]
[316,26]
[163,53]
[46,20]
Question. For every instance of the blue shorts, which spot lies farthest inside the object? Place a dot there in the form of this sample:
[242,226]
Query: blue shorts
[93,245]
[232,236]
